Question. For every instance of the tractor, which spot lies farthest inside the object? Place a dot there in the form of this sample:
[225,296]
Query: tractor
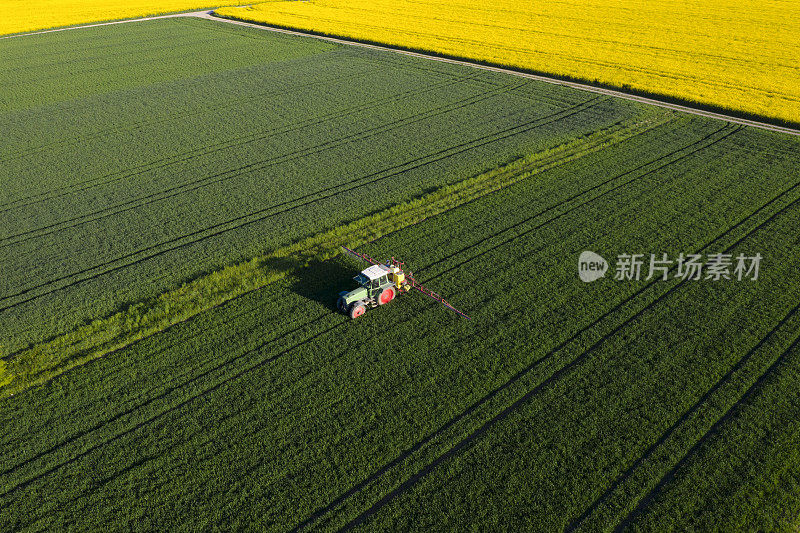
[379,284]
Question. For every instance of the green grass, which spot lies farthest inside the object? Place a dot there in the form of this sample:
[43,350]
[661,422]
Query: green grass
[649,405]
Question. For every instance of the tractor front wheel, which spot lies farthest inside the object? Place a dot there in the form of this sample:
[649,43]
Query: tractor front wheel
[357,310]
[386,296]
[341,304]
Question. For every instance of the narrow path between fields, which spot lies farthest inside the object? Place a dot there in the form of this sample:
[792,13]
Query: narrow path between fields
[209,15]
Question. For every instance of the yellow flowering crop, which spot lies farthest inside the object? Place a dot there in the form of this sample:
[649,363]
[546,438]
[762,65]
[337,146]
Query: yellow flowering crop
[737,54]
[29,15]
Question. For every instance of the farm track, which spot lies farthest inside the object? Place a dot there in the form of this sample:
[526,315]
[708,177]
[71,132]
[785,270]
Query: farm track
[191,401]
[547,79]
[209,15]
[190,155]
[262,214]
[561,371]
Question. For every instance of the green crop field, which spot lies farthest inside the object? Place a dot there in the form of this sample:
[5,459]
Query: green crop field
[174,196]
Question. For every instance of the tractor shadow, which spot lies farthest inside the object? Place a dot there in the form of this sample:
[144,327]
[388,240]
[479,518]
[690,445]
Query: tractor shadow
[322,281]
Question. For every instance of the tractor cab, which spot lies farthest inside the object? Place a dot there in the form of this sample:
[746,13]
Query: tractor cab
[374,279]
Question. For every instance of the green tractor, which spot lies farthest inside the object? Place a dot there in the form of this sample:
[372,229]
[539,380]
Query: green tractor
[377,286]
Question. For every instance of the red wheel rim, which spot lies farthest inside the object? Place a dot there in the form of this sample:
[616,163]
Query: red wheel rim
[387,296]
[358,311]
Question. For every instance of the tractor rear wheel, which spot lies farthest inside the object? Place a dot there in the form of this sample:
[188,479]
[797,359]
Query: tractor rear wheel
[386,296]
[357,310]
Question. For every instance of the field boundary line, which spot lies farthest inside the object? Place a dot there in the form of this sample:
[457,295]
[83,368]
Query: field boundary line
[109,23]
[210,15]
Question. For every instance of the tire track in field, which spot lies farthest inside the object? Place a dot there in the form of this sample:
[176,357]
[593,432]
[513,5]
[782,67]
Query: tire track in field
[136,125]
[187,400]
[370,61]
[175,243]
[551,162]
[171,388]
[171,385]
[680,421]
[452,81]
[183,402]
[213,148]
[726,417]
[555,376]
[252,167]
[694,148]
[102,180]
[159,351]
[242,435]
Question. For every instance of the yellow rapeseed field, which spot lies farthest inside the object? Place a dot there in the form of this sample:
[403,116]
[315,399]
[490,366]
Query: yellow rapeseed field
[737,54]
[28,15]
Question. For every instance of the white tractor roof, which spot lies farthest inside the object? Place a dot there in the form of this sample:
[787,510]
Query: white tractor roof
[375,271]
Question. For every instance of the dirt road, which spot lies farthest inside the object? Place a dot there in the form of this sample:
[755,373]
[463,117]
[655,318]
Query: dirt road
[584,87]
